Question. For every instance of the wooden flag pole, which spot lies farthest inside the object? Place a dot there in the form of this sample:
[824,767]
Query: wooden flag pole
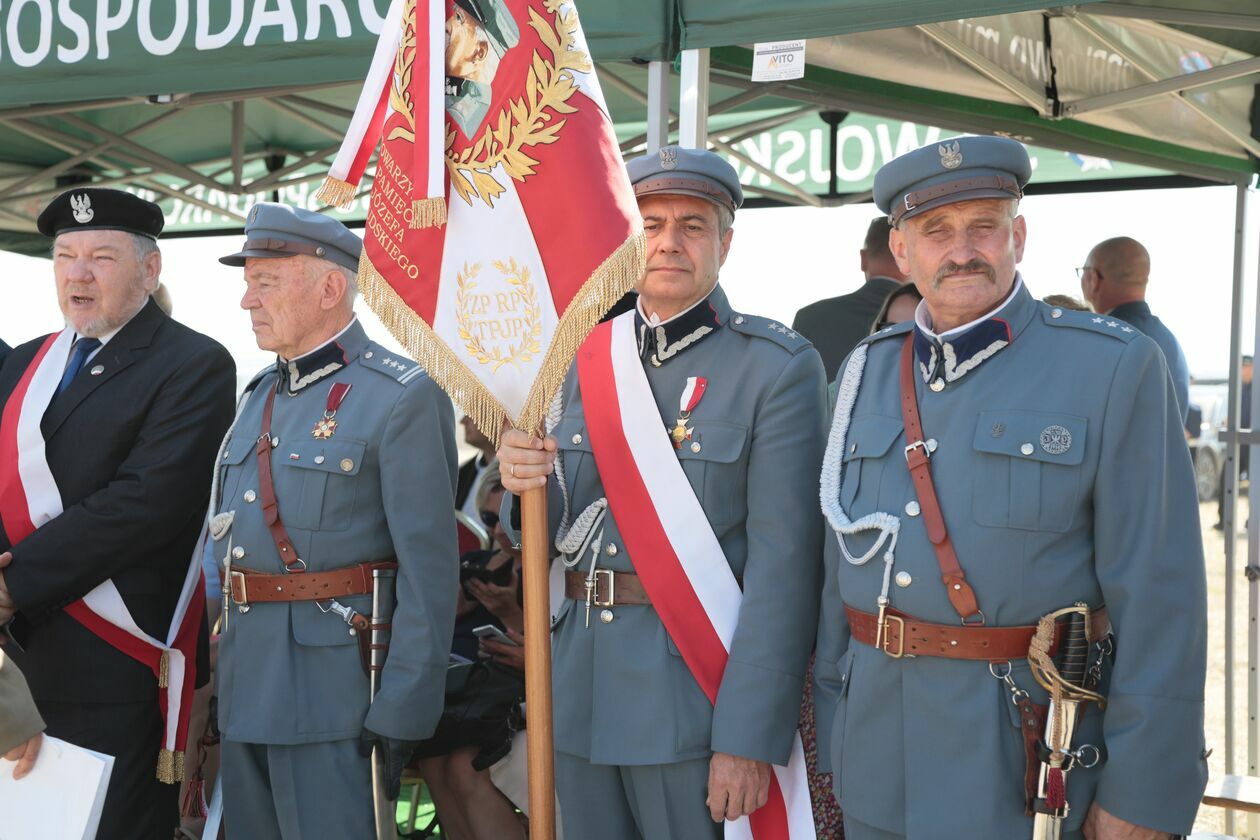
[542,774]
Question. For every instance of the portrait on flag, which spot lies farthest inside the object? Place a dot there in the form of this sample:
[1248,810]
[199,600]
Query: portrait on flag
[478,33]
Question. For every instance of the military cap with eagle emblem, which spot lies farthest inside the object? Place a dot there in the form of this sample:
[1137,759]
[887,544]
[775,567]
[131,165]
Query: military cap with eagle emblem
[957,169]
[674,170]
[98,208]
[277,231]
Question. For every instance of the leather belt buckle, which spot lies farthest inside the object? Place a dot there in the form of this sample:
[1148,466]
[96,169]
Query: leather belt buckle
[610,588]
[240,596]
[901,637]
[918,444]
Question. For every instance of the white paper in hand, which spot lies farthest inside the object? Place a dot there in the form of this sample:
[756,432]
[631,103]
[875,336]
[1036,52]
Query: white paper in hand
[62,796]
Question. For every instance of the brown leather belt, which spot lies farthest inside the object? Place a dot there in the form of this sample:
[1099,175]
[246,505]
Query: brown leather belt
[905,635]
[248,586]
[612,589]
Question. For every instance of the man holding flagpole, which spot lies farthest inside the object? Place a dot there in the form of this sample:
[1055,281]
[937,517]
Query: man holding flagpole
[107,436]
[685,466]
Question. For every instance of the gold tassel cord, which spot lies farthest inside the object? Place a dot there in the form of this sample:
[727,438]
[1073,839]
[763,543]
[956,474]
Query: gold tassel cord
[427,213]
[336,193]
[606,285]
[164,669]
[166,767]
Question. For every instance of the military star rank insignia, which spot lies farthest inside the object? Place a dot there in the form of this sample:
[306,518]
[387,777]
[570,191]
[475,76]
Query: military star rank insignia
[1098,320]
[326,426]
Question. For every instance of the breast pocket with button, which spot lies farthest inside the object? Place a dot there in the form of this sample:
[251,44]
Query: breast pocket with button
[1028,471]
[713,462]
[869,439]
[326,473]
[232,462]
[575,448]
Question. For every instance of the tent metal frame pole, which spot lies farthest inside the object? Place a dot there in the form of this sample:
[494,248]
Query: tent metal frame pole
[673,119]
[154,184]
[1210,116]
[238,144]
[1215,20]
[802,196]
[136,151]
[1176,84]
[315,105]
[657,105]
[1253,591]
[271,179]
[984,66]
[693,100]
[305,118]
[1229,483]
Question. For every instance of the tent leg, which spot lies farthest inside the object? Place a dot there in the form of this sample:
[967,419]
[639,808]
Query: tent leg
[1253,600]
[1229,483]
[657,106]
[693,100]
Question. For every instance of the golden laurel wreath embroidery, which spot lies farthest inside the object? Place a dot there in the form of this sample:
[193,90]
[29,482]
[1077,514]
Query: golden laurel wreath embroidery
[400,90]
[516,276]
[527,121]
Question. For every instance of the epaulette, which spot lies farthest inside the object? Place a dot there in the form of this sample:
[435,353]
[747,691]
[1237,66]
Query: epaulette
[1057,316]
[256,378]
[396,367]
[780,334]
[891,331]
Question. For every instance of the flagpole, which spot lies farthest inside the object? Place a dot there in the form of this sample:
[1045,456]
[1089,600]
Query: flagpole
[542,777]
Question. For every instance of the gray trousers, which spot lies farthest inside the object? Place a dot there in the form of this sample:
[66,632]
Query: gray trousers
[633,802]
[296,792]
[854,830]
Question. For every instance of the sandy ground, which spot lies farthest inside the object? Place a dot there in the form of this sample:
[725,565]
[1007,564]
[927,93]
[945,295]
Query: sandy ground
[1213,819]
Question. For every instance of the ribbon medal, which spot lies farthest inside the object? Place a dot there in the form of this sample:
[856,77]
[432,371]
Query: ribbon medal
[326,427]
[687,403]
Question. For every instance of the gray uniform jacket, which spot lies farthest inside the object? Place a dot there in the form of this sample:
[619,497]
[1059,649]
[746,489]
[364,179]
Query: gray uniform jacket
[19,719]
[623,694]
[1104,513]
[381,488]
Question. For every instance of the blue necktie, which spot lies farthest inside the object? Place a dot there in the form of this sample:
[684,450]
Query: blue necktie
[78,355]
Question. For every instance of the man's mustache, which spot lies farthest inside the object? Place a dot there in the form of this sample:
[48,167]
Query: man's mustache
[971,266]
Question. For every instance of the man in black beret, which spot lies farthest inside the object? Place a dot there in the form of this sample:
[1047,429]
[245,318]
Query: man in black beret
[117,418]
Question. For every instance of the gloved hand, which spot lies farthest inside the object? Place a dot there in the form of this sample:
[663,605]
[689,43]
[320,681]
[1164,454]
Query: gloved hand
[394,754]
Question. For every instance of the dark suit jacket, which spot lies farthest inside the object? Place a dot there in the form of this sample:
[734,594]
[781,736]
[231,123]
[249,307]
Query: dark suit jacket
[132,451]
[464,482]
[836,325]
[4,351]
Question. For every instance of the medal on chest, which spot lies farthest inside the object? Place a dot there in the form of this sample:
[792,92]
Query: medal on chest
[326,426]
[687,403]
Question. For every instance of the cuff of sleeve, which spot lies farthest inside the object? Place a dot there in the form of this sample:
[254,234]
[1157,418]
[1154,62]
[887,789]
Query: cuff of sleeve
[757,712]
[409,715]
[1156,770]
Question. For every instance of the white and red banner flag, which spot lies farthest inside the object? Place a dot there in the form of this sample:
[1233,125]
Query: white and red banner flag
[502,225]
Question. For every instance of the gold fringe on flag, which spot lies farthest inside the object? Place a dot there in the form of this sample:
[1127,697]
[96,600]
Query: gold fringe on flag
[170,767]
[616,276]
[427,213]
[336,193]
[164,669]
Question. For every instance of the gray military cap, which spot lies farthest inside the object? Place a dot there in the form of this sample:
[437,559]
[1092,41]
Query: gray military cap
[277,230]
[674,170]
[958,169]
[496,21]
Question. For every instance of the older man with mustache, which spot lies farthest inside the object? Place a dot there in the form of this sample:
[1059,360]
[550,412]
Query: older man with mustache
[992,462]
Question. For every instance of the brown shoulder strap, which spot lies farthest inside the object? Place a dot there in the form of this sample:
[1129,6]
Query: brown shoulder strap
[267,492]
[960,593]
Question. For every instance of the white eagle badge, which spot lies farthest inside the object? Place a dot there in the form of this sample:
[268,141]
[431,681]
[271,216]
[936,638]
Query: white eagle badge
[82,205]
[951,155]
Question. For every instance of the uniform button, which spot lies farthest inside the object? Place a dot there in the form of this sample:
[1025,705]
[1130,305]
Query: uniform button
[852,448]
[1027,449]
[576,439]
[931,445]
[367,355]
[606,616]
[238,553]
[739,319]
[611,550]
[97,370]
[319,459]
[937,385]
[250,495]
[1056,313]
[695,447]
[275,441]
[904,579]
[346,465]
[912,508]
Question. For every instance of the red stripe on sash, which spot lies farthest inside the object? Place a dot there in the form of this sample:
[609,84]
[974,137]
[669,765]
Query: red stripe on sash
[15,513]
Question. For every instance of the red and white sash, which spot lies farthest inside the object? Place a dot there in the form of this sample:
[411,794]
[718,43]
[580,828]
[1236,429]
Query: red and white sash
[677,555]
[29,499]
